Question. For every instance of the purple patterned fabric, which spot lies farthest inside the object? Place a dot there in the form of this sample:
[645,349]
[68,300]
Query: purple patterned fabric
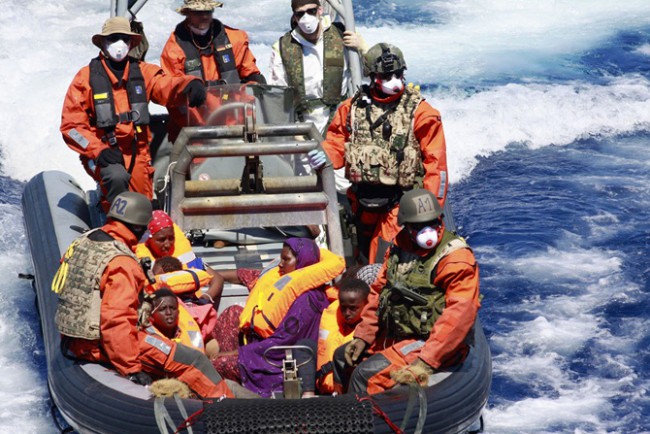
[305,250]
[302,321]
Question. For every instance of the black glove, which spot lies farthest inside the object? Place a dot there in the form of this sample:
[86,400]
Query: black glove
[196,93]
[141,378]
[110,156]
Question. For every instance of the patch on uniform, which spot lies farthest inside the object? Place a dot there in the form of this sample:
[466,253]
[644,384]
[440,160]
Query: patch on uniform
[226,58]
[157,343]
[138,89]
[412,347]
[78,138]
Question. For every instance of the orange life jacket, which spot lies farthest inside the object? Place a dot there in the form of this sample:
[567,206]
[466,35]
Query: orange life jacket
[273,294]
[183,281]
[189,332]
[182,248]
[331,335]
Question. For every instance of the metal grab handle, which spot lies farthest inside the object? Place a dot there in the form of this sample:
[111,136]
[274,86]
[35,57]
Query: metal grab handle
[288,354]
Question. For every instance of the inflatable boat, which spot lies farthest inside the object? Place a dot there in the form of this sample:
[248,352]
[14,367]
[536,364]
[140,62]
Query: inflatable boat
[234,190]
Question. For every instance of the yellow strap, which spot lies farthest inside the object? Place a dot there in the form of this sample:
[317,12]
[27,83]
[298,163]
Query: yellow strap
[62,272]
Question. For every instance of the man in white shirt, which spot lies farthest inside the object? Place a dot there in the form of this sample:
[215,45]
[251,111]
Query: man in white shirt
[310,58]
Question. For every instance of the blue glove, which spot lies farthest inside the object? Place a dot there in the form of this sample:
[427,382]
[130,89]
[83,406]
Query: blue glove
[316,158]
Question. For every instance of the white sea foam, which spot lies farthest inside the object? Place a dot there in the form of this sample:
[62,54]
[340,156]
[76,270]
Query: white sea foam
[475,39]
[23,393]
[537,353]
[45,43]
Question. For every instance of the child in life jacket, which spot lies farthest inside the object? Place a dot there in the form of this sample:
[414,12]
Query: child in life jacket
[336,328]
[170,319]
[186,284]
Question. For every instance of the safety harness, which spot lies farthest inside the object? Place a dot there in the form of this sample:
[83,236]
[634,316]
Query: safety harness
[333,63]
[220,47]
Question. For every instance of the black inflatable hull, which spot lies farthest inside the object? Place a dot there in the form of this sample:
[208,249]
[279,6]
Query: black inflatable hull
[95,400]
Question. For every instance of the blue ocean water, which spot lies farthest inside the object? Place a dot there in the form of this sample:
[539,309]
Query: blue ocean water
[546,108]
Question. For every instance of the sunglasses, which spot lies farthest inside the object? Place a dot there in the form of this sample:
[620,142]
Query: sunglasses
[311,11]
[118,37]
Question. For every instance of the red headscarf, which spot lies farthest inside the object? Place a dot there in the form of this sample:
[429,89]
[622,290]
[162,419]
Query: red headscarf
[160,220]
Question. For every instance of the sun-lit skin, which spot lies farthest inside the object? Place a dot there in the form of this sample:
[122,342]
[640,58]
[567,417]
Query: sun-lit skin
[165,316]
[287,261]
[199,19]
[351,304]
[162,242]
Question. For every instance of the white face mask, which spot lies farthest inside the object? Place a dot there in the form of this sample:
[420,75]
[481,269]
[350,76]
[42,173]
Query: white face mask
[393,86]
[308,24]
[117,50]
[427,238]
[198,31]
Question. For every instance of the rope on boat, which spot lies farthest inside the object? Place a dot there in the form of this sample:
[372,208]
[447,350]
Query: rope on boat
[415,390]
[381,413]
[164,420]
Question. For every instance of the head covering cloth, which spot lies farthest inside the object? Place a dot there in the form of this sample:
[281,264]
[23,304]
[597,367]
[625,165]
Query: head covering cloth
[160,220]
[305,250]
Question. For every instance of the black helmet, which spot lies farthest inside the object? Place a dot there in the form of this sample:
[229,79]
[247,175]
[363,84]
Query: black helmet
[418,206]
[384,58]
[131,207]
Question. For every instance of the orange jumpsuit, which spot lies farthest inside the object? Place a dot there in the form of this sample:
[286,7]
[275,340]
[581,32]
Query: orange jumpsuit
[457,274]
[427,129]
[130,350]
[82,136]
[172,60]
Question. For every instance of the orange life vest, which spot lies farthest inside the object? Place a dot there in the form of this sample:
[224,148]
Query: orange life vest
[331,335]
[183,281]
[273,294]
[182,248]
[189,332]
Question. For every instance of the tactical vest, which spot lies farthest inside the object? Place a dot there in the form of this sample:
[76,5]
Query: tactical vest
[77,282]
[382,148]
[102,89]
[333,64]
[410,304]
[220,48]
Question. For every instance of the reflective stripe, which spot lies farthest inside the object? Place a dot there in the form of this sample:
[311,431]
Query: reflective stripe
[157,343]
[196,338]
[443,184]
[186,257]
[78,138]
[412,347]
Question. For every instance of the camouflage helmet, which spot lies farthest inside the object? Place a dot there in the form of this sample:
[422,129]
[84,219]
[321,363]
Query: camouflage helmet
[130,207]
[383,58]
[418,206]
[198,5]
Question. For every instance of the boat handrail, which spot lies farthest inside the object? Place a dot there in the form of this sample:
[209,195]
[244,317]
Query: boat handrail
[229,203]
